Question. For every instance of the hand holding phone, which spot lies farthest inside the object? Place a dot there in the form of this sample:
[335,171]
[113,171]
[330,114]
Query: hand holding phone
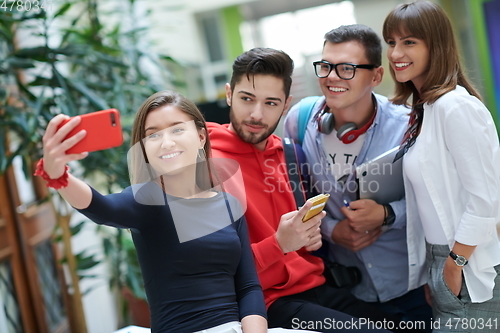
[319,203]
[103,129]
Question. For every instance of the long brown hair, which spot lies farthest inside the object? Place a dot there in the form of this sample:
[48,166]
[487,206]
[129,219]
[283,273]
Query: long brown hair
[154,102]
[427,21]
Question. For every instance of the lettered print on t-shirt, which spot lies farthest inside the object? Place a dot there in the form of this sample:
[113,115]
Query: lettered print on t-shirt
[341,156]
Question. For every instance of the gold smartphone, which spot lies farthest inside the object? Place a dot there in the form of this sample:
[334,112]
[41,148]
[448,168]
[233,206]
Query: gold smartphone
[319,203]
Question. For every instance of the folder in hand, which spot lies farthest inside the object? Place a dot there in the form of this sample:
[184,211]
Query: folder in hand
[381,178]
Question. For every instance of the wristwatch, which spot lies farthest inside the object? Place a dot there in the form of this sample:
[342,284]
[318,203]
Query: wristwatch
[390,216]
[459,260]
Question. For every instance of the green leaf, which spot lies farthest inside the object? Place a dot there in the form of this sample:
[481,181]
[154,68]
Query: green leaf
[93,98]
[135,282]
[63,9]
[9,18]
[69,31]
[26,167]
[3,93]
[44,81]
[37,107]
[77,228]
[64,108]
[99,86]
[23,88]
[110,60]
[92,288]
[120,98]
[20,119]
[15,62]
[73,50]
[179,84]
[33,15]
[135,31]
[6,161]
[3,160]
[169,59]
[38,53]
[108,246]
[90,276]
[70,106]
[84,262]
[6,33]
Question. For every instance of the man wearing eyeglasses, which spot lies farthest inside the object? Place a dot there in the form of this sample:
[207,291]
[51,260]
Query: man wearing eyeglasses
[347,126]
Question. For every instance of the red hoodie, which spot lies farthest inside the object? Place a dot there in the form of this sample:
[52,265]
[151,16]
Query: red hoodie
[268,197]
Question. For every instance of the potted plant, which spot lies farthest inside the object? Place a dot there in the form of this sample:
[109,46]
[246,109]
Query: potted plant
[125,275]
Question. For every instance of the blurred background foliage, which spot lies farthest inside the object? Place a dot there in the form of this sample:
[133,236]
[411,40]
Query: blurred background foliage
[86,67]
[64,60]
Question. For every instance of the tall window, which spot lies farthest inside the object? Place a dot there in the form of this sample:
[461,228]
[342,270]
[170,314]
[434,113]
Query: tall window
[214,71]
[299,33]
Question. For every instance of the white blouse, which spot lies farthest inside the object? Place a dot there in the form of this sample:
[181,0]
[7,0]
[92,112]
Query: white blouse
[459,164]
[434,233]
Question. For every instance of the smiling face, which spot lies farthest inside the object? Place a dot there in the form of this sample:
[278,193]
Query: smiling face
[349,95]
[409,59]
[172,140]
[257,105]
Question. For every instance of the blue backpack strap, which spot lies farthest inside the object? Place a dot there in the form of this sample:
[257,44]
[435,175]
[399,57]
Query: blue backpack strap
[306,105]
[294,171]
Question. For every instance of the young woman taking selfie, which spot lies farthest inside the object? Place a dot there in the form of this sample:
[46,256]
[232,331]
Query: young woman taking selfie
[191,236]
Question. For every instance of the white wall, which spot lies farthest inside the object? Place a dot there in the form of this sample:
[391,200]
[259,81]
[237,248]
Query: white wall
[174,30]
[372,14]
[99,305]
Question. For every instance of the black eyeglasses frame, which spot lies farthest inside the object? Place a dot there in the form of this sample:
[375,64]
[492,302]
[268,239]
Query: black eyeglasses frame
[334,66]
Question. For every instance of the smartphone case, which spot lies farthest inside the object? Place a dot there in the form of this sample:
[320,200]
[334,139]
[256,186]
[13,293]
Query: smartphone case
[103,128]
[319,203]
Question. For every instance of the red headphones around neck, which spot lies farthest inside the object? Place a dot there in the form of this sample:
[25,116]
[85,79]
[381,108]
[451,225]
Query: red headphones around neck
[347,133]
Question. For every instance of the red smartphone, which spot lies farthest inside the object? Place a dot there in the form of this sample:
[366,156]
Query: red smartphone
[103,128]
